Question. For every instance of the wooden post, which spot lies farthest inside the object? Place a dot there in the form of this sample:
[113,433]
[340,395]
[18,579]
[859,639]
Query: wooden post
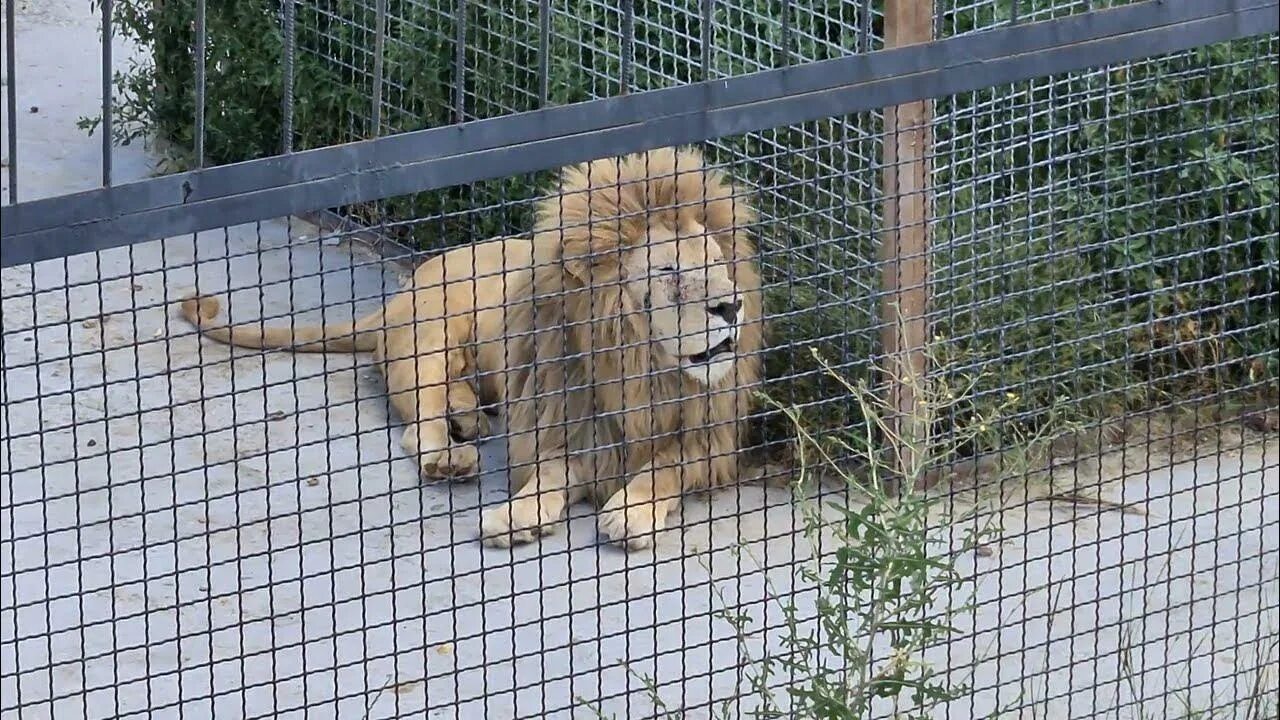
[904,246]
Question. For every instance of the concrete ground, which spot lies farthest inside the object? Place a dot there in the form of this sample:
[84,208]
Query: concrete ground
[187,531]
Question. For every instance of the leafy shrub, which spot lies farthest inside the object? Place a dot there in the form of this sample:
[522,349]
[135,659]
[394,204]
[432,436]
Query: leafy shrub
[877,591]
[1120,247]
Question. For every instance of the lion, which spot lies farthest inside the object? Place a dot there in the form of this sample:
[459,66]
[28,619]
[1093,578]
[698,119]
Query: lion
[647,330]
[623,339]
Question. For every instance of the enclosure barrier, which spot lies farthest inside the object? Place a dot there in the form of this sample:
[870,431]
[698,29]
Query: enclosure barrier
[1023,256]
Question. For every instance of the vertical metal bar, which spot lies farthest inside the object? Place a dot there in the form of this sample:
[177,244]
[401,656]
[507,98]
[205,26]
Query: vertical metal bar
[11,98]
[201,44]
[708,36]
[459,60]
[864,26]
[787,31]
[379,50]
[544,52]
[286,80]
[106,92]
[628,45]
[904,250]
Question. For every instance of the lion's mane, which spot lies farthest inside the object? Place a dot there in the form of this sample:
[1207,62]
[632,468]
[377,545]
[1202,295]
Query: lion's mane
[593,391]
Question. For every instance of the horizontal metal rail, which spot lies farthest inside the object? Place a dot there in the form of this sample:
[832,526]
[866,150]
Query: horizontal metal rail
[542,139]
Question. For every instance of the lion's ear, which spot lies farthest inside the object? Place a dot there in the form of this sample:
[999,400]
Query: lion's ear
[734,244]
[594,271]
[577,269]
[730,214]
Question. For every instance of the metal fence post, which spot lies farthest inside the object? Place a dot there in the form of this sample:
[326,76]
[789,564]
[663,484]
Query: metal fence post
[11,97]
[286,80]
[202,45]
[904,248]
[460,61]
[379,55]
[107,130]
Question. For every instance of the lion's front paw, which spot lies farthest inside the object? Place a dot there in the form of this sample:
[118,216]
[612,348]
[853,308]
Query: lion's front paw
[519,521]
[631,523]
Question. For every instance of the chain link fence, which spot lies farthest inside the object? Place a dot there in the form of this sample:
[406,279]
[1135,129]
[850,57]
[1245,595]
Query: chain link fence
[1012,451]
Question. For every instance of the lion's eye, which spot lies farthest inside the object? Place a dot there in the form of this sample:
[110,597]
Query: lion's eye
[667,269]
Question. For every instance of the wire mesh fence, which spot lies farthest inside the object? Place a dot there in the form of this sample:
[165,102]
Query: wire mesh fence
[503,514]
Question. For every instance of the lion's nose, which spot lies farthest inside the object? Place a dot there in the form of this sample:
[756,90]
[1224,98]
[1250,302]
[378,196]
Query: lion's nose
[727,311]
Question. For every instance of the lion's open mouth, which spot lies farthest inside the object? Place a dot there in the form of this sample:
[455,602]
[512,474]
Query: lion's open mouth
[725,346]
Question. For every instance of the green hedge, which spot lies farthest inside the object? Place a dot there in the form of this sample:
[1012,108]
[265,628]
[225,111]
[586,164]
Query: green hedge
[333,72]
[1137,260]
[1067,207]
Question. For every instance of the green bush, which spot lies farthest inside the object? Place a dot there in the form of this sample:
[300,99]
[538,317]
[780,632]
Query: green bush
[334,71]
[886,589]
[1104,238]
[1137,260]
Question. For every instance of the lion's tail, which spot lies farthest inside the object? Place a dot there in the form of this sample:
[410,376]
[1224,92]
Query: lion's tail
[358,336]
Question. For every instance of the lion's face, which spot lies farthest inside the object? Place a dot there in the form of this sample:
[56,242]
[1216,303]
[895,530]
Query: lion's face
[680,283]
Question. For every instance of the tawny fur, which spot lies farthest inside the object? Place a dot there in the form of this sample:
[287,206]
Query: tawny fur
[562,332]
[603,413]
[440,344]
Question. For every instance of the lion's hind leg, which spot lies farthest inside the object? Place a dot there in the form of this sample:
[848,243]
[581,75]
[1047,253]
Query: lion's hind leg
[467,420]
[425,381]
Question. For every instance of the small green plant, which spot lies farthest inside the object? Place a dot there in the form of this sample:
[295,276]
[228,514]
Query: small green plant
[882,563]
